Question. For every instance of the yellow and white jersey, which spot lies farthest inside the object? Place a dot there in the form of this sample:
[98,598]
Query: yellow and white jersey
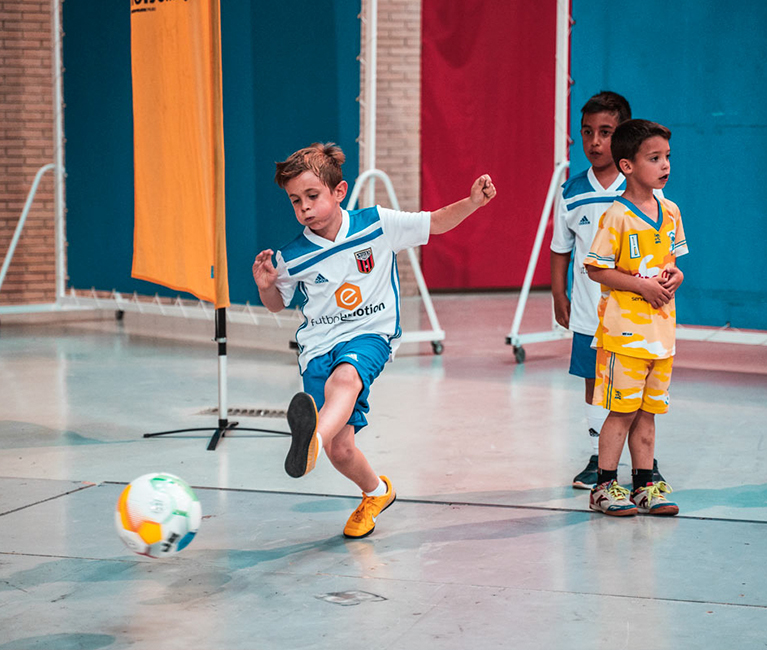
[631,242]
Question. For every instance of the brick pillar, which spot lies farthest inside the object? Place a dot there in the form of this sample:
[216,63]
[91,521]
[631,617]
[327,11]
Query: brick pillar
[26,142]
[398,119]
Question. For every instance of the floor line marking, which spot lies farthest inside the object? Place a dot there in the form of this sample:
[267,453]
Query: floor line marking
[437,502]
[57,496]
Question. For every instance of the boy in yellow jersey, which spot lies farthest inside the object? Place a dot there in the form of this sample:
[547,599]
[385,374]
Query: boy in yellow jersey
[633,257]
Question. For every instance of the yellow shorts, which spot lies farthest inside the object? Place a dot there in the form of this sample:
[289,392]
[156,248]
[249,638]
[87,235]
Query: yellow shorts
[627,384]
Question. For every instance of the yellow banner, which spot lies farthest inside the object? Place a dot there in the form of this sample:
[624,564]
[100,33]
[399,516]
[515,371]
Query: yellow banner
[179,237]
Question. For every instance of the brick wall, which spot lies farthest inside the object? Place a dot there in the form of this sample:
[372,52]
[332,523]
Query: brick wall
[26,144]
[398,119]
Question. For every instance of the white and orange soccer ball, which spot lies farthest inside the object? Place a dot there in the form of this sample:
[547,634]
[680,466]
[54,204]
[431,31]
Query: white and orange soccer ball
[157,515]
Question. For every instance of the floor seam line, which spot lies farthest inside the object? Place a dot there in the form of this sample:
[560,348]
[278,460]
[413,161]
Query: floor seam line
[455,503]
[37,503]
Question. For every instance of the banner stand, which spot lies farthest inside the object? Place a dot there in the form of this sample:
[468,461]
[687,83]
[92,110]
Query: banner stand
[223,410]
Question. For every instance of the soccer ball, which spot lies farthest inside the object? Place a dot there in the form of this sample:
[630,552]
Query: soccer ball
[157,515]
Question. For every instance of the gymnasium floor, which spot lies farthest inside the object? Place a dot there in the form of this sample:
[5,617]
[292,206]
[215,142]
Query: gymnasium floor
[487,546]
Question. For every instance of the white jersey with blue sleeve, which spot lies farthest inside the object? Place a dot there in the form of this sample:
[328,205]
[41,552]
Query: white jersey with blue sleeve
[582,202]
[350,286]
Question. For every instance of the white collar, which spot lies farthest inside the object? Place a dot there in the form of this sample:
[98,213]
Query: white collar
[343,231]
[614,186]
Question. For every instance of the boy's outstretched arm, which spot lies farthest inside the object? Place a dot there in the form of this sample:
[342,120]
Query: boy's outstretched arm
[265,276]
[447,218]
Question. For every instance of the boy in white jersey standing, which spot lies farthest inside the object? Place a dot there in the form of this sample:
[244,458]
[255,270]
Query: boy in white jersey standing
[633,256]
[344,267]
[582,201]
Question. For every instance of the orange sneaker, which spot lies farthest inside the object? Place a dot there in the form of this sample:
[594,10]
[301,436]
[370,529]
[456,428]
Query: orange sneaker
[302,420]
[363,519]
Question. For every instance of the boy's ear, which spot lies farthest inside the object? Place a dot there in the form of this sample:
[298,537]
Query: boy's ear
[340,192]
[624,164]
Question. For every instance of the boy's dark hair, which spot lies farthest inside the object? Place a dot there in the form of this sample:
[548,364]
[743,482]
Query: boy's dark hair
[609,102]
[629,136]
[324,160]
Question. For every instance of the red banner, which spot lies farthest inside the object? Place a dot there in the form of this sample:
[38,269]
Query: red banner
[487,105]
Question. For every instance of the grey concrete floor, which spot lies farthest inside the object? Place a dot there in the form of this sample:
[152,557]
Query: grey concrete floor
[488,546]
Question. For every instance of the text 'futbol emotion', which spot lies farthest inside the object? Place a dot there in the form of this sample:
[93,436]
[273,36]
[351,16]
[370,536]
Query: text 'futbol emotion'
[157,515]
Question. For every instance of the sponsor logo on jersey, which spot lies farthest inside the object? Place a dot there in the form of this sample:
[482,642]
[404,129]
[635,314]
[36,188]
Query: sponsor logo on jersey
[584,221]
[672,237]
[320,279]
[616,394]
[360,312]
[348,296]
[365,261]
[634,246]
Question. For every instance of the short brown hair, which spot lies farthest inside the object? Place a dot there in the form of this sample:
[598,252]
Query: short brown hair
[608,102]
[629,136]
[324,160]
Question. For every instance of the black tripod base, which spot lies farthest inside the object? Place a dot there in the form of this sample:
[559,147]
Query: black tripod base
[218,433]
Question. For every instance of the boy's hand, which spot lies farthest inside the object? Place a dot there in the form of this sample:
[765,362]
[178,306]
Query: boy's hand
[562,311]
[482,191]
[671,278]
[264,272]
[654,292]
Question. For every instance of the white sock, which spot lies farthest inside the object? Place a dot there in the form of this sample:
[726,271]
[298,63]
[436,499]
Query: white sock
[595,418]
[379,491]
[319,447]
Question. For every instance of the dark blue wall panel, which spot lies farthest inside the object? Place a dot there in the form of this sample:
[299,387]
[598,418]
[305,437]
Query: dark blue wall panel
[700,68]
[290,77]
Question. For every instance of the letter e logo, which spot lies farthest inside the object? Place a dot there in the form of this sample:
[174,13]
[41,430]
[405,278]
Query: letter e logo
[348,296]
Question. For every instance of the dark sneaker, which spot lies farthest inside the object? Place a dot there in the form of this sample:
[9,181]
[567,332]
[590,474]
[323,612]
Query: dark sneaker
[587,479]
[651,499]
[611,499]
[302,420]
[656,475]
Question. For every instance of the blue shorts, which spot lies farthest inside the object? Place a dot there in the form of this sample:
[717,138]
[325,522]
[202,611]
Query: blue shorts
[583,358]
[368,353]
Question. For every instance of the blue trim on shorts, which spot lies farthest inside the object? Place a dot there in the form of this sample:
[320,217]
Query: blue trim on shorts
[583,358]
[368,353]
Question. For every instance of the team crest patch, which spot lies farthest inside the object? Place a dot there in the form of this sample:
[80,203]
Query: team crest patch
[365,261]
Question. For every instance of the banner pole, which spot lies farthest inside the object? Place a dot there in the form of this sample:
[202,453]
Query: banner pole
[223,408]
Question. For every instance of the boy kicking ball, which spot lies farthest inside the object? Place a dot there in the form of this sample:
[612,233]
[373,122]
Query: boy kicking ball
[344,268]
[633,256]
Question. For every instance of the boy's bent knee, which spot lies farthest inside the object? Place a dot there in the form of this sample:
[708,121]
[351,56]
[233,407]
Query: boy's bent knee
[344,377]
[341,449]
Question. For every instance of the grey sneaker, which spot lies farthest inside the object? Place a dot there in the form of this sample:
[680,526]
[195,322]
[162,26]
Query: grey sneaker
[611,499]
[650,500]
[587,479]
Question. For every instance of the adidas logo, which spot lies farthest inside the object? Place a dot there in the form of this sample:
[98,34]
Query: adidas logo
[584,221]
[351,355]
[320,279]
